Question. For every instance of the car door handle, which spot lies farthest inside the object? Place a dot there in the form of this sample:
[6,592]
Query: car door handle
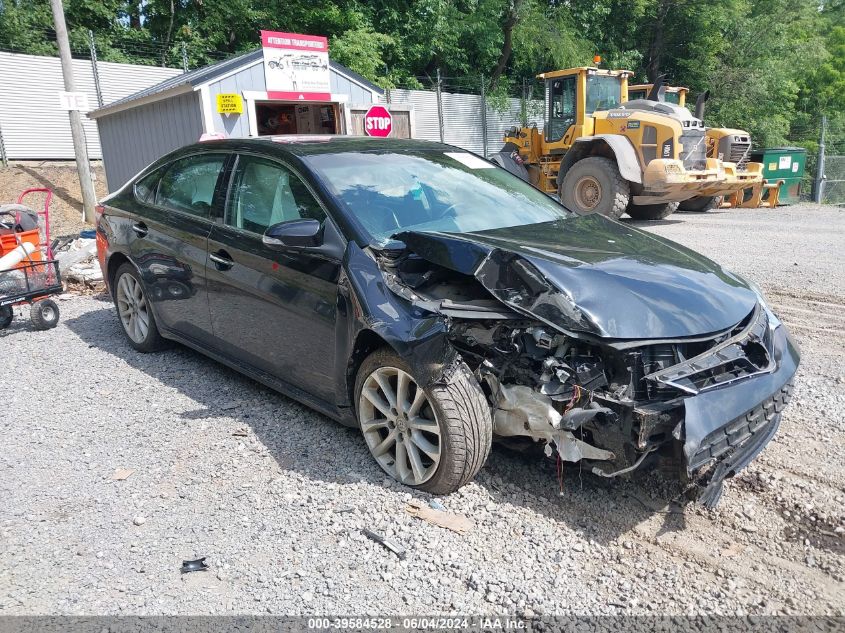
[140,229]
[222,260]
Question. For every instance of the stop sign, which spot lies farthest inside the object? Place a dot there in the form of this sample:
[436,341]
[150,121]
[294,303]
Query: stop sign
[378,122]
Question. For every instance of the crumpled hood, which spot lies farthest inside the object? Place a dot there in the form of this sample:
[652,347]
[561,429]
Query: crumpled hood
[590,274]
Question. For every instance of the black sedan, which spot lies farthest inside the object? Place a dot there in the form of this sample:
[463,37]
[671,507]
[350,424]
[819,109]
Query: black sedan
[436,301]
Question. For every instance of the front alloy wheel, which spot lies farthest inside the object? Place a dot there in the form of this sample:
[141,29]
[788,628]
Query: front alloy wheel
[435,438]
[400,425]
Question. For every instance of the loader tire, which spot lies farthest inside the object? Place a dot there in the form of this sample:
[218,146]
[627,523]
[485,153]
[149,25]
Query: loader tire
[701,204]
[594,185]
[652,211]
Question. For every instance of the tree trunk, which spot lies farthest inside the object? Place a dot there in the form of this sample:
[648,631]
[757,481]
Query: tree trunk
[656,47]
[509,21]
[135,15]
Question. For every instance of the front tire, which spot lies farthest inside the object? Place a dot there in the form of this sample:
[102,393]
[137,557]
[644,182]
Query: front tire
[435,438]
[652,211]
[134,312]
[594,185]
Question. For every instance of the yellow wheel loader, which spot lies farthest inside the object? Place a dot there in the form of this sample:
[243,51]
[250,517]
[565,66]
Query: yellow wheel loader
[604,154]
[727,145]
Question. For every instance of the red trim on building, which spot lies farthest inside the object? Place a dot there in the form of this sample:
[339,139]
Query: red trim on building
[299,96]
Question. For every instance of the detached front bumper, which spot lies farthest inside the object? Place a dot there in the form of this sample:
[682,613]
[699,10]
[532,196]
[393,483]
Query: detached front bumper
[725,428]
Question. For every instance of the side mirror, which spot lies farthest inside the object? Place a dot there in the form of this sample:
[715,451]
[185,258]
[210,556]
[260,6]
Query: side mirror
[294,233]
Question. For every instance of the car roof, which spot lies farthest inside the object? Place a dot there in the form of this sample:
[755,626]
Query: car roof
[319,144]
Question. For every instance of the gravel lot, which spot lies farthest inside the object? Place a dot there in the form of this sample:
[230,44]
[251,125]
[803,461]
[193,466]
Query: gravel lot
[275,495]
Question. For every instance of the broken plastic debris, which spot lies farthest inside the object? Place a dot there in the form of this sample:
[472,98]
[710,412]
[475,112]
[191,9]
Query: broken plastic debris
[435,504]
[455,522]
[121,473]
[378,538]
[194,565]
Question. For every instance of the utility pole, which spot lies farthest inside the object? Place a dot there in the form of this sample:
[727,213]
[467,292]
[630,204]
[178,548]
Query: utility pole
[89,199]
[818,189]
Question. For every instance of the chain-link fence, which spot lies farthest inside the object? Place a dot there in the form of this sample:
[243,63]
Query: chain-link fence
[832,154]
[833,191]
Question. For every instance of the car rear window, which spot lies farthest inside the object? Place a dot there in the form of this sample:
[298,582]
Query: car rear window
[188,184]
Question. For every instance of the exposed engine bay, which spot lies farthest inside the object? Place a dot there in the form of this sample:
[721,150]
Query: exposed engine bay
[611,404]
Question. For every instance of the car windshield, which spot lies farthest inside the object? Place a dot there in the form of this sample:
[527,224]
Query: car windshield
[428,190]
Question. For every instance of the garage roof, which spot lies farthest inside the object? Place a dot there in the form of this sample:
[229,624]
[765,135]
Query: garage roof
[192,80]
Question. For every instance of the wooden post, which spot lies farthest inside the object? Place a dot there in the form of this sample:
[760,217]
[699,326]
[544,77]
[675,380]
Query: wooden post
[89,199]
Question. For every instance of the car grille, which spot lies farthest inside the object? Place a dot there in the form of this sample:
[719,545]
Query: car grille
[741,431]
[746,352]
[693,152]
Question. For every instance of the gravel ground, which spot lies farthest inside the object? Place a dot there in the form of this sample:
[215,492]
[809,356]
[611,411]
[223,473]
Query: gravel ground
[275,495]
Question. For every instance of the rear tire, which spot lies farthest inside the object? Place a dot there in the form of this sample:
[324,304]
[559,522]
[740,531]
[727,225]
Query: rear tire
[652,211]
[6,317]
[594,185]
[134,311]
[44,314]
[461,428]
[701,204]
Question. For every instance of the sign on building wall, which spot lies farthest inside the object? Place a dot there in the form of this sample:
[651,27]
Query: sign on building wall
[230,103]
[296,67]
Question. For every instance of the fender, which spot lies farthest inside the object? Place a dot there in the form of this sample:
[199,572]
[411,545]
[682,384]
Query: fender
[609,145]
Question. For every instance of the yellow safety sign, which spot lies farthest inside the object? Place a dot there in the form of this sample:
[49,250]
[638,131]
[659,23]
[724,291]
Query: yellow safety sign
[230,104]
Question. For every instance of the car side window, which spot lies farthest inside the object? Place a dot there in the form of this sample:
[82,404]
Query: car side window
[188,184]
[146,187]
[264,193]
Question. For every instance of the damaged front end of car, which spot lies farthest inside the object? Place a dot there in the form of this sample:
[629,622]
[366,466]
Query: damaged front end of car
[699,405]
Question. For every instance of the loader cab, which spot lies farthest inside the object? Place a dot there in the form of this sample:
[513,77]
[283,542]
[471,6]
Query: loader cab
[573,95]
[673,94]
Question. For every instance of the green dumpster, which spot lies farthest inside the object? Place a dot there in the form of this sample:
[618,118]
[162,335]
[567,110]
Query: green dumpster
[787,163]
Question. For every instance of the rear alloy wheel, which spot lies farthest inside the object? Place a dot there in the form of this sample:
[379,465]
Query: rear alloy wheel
[594,185]
[652,211]
[133,310]
[434,438]
[44,314]
[701,204]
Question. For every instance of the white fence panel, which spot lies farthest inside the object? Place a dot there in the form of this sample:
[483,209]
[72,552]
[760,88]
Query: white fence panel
[462,119]
[32,123]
